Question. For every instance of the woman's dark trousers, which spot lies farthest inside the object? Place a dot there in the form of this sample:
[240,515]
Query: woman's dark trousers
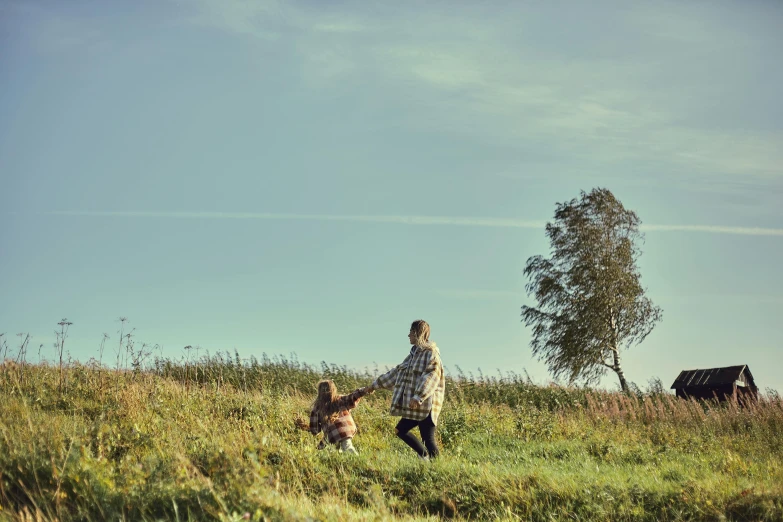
[427,430]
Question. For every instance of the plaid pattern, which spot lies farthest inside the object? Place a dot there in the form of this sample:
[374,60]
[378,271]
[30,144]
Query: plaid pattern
[343,426]
[420,376]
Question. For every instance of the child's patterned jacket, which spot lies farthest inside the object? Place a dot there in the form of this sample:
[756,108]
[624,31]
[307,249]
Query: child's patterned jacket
[343,426]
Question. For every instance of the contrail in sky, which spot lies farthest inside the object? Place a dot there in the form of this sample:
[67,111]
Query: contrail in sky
[410,220]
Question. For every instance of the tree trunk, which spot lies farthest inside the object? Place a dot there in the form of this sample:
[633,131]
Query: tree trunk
[619,370]
[616,352]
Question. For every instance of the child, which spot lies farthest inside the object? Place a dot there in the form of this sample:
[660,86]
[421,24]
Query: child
[330,414]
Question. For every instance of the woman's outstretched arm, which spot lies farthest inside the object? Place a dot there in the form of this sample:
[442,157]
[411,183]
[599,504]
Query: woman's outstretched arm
[389,379]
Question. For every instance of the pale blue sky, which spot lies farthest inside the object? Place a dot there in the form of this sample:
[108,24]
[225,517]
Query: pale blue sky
[310,178]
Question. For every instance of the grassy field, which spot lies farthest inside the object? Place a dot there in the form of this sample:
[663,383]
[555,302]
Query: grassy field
[216,440]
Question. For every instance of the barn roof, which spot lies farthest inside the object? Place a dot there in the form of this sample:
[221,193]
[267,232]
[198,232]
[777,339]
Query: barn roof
[711,376]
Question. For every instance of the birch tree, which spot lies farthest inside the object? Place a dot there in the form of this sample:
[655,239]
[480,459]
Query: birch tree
[591,303]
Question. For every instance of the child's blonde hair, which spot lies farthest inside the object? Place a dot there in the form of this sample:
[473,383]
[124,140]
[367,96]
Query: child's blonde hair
[323,404]
[421,330]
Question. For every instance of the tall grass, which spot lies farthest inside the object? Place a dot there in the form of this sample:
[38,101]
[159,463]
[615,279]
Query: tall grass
[214,438]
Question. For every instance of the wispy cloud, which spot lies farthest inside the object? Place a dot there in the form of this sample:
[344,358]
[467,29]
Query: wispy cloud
[483,295]
[758,299]
[339,27]
[497,102]
[406,220]
[497,77]
[712,229]
[402,220]
[256,19]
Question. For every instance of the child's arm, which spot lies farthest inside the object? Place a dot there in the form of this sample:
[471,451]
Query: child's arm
[350,401]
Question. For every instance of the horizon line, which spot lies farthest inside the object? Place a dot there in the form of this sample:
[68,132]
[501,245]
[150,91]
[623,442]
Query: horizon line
[408,220]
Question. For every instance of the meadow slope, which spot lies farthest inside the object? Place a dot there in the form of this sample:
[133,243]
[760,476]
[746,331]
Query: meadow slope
[216,440]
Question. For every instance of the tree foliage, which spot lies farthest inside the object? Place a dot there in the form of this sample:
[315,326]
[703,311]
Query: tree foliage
[590,300]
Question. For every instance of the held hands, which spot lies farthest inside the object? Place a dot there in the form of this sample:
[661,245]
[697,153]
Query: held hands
[414,404]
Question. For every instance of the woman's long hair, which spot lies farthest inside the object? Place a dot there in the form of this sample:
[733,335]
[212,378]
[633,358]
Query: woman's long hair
[421,331]
[324,402]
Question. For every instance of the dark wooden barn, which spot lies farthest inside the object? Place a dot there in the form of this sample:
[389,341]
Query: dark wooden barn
[731,382]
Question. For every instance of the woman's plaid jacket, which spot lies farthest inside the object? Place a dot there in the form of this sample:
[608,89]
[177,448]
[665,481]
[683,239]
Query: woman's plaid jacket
[420,376]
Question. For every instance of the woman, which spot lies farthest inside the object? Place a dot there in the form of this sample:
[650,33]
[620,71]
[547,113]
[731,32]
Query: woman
[419,386]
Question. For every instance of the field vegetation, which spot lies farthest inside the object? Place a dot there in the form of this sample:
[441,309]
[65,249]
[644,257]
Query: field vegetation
[215,439]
